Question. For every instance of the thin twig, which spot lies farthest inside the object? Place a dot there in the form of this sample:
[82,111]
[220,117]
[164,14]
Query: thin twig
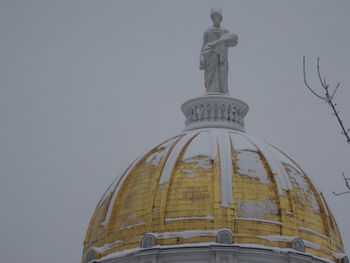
[319,74]
[306,84]
[347,183]
[336,113]
[335,89]
[343,193]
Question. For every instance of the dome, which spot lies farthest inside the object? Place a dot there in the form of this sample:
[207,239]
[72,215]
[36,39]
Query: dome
[213,184]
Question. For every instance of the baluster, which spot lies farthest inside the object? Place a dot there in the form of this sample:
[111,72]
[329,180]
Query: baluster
[193,114]
[224,109]
[196,112]
[188,116]
[239,117]
[200,109]
[215,110]
[230,113]
[211,112]
[219,113]
[205,113]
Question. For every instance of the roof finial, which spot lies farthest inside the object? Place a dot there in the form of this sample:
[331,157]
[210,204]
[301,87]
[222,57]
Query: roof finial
[213,57]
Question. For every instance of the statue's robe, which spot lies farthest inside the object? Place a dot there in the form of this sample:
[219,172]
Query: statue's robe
[214,59]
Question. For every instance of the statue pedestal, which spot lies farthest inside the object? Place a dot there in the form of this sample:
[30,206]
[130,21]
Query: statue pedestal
[214,111]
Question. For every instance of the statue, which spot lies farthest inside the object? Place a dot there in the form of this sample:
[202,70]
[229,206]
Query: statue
[213,58]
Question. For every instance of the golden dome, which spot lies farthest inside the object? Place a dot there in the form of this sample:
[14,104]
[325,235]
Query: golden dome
[191,186]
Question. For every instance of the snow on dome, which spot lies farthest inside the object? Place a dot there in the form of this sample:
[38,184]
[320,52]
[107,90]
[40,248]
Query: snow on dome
[250,164]
[187,189]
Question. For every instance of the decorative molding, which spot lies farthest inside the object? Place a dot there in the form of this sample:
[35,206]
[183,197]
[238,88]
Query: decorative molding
[298,245]
[212,253]
[148,241]
[224,236]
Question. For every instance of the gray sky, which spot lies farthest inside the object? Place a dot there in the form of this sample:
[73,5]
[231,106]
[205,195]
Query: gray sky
[87,86]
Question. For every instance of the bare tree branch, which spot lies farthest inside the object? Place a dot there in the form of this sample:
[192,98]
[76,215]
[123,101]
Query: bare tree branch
[327,97]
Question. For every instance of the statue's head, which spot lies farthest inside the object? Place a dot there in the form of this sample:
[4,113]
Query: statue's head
[216,15]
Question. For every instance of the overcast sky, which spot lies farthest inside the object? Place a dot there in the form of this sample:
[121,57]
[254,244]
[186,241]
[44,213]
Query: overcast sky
[87,86]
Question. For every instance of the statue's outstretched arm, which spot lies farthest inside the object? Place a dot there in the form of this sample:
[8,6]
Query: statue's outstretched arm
[229,39]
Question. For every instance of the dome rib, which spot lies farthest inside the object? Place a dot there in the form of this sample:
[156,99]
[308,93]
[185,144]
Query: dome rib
[226,169]
[119,184]
[173,156]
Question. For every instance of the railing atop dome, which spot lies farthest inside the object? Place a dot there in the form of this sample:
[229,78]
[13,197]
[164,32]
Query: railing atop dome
[214,111]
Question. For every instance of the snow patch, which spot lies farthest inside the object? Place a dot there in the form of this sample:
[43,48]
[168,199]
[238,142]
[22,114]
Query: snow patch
[305,193]
[240,143]
[141,223]
[254,210]
[189,173]
[250,164]
[311,245]
[278,238]
[108,246]
[200,163]
[258,220]
[338,255]
[186,234]
[161,151]
[132,216]
[118,254]
[313,232]
[210,217]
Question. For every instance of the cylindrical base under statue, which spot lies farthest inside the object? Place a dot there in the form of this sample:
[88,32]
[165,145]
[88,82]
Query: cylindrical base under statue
[214,111]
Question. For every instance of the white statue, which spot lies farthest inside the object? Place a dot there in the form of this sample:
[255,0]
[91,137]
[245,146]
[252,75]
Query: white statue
[213,58]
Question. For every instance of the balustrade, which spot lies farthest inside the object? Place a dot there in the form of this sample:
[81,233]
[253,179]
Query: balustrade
[215,111]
